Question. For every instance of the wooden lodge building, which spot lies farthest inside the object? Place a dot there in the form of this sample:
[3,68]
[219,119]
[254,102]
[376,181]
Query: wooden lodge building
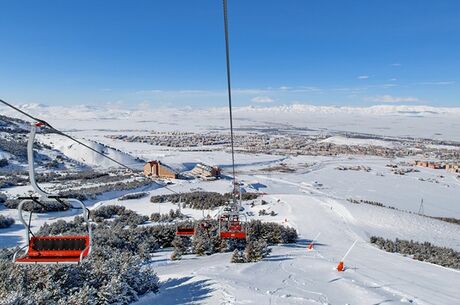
[156,169]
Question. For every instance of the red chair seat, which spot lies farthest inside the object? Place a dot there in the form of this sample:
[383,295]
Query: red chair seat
[185,231]
[56,249]
[228,234]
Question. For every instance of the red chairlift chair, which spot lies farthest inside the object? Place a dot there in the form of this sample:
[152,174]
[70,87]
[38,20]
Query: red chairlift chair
[54,249]
[231,227]
[50,249]
[185,231]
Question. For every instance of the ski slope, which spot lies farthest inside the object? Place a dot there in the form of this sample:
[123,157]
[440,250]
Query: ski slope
[291,275]
[85,156]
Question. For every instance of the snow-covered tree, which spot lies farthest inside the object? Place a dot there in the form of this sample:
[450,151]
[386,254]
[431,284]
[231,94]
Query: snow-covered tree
[238,257]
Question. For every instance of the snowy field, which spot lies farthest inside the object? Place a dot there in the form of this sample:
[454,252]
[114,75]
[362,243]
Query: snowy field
[312,198]
[416,121]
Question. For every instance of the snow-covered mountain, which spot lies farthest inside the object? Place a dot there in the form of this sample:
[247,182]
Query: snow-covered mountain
[388,120]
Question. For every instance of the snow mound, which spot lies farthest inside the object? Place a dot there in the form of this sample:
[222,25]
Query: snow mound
[83,155]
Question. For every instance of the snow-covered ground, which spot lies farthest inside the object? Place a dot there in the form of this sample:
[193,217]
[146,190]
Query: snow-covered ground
[312,199]
[390,120]
[291,275]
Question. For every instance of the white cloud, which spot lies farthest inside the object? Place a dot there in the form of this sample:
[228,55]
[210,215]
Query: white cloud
[393,99]
[396,65]
[441,83]
[363,77]
[262,99]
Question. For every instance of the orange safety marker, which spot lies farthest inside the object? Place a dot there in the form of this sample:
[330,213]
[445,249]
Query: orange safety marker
[340,266]
[310,246]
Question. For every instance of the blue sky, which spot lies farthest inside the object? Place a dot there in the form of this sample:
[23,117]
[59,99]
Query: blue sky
[167,53]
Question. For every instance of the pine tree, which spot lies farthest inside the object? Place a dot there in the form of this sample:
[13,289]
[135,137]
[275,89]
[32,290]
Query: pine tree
[238,257]
[200,245]
[180,246]
[256,250]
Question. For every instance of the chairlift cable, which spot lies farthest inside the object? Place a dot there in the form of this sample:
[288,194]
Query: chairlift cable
[64,134]
[229,90]
[73,139]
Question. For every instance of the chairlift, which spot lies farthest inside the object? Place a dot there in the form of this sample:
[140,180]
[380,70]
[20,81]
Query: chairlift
[232,224]
[184,229]
[50,249]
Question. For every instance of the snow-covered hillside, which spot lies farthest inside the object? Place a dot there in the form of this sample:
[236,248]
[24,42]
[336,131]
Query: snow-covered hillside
[309,193]
[85,156]
[50,147]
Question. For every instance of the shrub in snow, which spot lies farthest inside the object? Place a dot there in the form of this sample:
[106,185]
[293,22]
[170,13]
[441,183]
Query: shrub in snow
[271,232]
[133,196]
[448,219]
[94,191]
[48,206]
[181,246]
[13,179]
[202,244]
[114,274]
[238,257]
[2,198]
[171,216]
[125,216]
[420,251]
[16,146]
[6,222]
[262,212]
[3,162]
[155,217]
[107,211]
[201,200]
[259,235]
[256,250]
[109,277]
[379,204]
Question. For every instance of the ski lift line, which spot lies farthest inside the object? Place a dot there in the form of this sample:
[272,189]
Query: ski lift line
[229,90]
[44,123]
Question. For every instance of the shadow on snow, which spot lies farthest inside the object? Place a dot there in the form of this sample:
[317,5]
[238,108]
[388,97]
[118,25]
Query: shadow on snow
[180,291]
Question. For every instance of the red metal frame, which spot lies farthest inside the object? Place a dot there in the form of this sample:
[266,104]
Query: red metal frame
[55,256]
